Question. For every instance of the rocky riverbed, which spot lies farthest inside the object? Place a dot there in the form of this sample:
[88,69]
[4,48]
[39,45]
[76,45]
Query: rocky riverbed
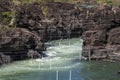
[99,27]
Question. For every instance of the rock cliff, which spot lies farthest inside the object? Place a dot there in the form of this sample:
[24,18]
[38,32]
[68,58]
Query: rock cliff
[99,27]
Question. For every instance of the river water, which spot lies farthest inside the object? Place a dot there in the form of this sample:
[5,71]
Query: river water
[63,63]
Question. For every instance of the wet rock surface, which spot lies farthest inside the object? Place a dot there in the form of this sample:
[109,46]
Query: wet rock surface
[15,43]
[98,26]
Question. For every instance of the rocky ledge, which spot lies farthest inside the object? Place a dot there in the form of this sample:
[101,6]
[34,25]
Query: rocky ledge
[98,25]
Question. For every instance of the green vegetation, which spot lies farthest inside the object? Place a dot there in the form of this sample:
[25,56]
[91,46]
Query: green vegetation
[17,2]
[30,1]
[68,1]
[110,2]
[42,1]
[44,10]
[3,29]
[7,19]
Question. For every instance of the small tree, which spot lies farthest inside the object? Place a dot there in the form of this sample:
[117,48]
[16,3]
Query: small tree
[8,20]
[44,10]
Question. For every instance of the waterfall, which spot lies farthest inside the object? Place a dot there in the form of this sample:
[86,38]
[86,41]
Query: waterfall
[62,55]
[61,64]
[60,35]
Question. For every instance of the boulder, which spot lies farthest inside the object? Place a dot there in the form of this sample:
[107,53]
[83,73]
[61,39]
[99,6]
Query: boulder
[94,38]
[19,39]
[114,36]
[16,42]
[33,54]
[4,58]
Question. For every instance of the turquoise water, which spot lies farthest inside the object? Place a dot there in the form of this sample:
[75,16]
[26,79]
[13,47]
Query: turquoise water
[63,63]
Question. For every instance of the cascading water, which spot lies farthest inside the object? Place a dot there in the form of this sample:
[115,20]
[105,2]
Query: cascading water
[63,63]
[62,54]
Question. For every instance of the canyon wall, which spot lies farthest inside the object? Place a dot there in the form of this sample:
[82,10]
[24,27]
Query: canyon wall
[97,25]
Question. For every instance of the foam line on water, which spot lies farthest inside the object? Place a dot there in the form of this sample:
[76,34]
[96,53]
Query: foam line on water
[63,56]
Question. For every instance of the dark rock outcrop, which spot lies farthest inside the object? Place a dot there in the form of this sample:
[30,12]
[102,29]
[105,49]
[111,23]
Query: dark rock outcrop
[114,36]
[104,35]
[5,5]
[15,43]
[19,39]
[95,38]
[4,59]
[99,27]
[56,24]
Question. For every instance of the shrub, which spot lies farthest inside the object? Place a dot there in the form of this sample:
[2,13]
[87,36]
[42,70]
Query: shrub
[44,10]
[5,19]
[110,2]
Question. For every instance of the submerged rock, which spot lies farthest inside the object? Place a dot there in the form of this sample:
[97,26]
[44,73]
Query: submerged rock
[4,58]
[118,72]
[34,54]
